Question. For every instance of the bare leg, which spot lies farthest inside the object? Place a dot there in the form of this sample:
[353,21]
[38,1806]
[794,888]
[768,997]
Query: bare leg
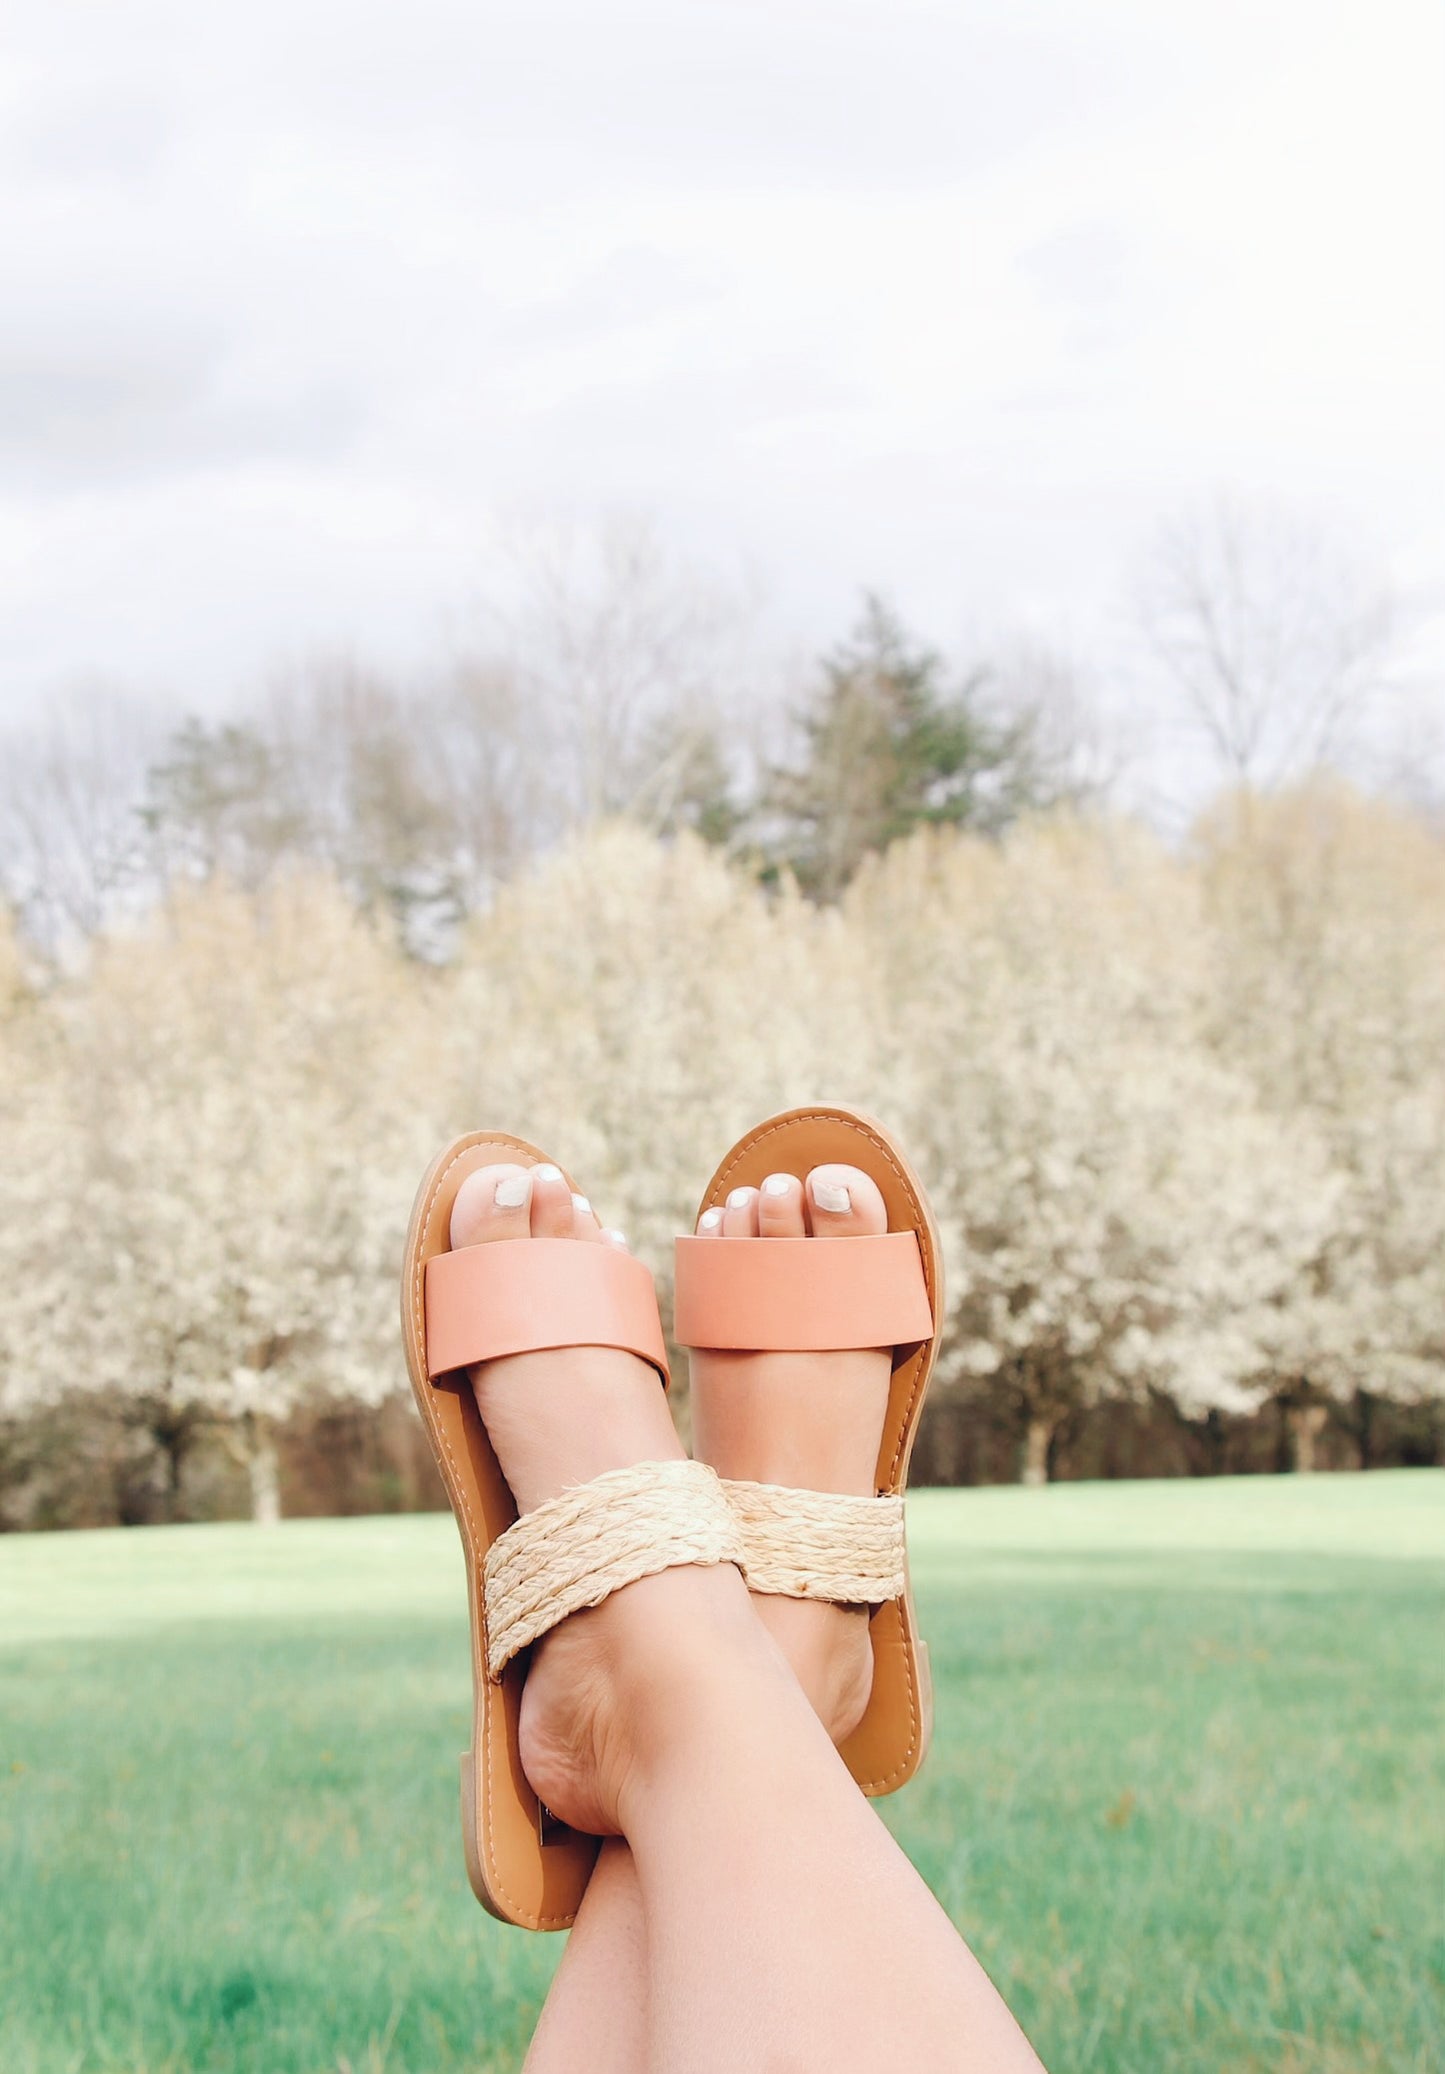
[785,1928]
[597,2015]
[808,1420]
[781,1925]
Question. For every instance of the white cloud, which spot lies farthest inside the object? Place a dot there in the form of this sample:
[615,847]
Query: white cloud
[301,301]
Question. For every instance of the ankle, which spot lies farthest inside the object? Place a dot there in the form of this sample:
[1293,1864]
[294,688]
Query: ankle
[830,1653]
[683,1653]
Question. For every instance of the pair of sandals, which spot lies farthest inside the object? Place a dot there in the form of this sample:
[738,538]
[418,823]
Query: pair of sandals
[524,1576]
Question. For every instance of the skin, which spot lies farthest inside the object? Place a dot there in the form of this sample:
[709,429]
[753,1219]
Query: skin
[749,1909]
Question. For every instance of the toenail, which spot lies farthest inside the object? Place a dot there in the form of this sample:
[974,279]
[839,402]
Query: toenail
[616,1238]
[581,1203]
[710,1220]
[739,1198]
[547,1172]
[778,1184]
[513,1192]
[831,1195]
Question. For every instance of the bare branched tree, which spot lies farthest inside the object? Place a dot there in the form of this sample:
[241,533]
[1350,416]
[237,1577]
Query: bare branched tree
[632,670]
[482,762]
[367,768]
[71,839]
[1275,644]
[1072,751]
[618,681]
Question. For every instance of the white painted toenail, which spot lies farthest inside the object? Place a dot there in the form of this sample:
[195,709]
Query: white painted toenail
[738,1200]
[778,1184]
[513,1192]
[831,1195]
[581,1204]
[616,1238]
[547,1172]
[709,1220]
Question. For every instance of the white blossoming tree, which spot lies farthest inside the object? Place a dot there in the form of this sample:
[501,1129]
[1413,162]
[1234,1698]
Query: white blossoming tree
[1329,993]
[1109,1190]
[240,1132]
[632,1005]
[1182,1113]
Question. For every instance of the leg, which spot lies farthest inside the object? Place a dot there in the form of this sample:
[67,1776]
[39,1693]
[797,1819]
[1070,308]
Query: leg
[803,1419]
[668,1714]
[784,1925]
[596,2014]
[779,1923]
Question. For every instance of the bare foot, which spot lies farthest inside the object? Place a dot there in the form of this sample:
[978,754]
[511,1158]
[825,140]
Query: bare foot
[604,1680]
[812,1421]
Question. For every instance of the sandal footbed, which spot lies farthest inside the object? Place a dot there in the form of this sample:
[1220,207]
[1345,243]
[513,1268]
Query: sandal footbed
[524,1868]
[890,1742]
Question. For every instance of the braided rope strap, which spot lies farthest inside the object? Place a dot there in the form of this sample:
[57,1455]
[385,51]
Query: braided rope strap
[580,1547]
[820,1544]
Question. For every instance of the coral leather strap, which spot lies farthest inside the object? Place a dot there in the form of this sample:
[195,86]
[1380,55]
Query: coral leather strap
[802,1295]
[520,1296]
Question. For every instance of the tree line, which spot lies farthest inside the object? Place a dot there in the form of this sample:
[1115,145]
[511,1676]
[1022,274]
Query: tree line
[630,686]
[1180,1109]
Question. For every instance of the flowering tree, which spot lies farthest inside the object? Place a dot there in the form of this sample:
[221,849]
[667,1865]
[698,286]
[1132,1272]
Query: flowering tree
[240,1133]
[632,1005]
[1329,992]
[37,1183]
[1108,1188]
[1181,1114]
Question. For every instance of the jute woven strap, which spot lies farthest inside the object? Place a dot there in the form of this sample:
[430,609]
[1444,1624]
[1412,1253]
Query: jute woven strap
[820,1544]
[576,1549]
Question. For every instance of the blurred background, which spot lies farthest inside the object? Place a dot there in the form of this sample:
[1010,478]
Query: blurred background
[603,570]
[499,507]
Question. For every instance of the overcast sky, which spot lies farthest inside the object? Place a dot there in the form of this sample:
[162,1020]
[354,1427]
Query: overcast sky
[306,305]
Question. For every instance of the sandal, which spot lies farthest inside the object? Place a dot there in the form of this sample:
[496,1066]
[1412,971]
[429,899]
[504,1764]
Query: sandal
[513,1296]
[809,1295]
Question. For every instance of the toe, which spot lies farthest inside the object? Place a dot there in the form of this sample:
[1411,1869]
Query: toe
[710,1224]
[492,1203]
[616,1239]
[585,1224]
[780,1208]
[553,1216]
[740,1214]
[844,1203]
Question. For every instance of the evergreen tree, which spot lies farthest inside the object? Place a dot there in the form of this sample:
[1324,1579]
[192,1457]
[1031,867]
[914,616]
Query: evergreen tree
[889,743]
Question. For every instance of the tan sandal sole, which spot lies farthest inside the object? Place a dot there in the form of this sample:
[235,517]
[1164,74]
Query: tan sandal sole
[524,1867]
[891,1741]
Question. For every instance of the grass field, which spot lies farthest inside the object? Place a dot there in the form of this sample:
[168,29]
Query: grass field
[1187,1797]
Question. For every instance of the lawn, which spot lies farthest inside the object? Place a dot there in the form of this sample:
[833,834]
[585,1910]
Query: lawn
[1187,1796]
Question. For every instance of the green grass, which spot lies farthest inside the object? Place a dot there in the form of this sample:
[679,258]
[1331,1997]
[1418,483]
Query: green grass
[1187,1796]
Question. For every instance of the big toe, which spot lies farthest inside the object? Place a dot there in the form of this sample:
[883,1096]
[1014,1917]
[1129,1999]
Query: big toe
[843,1202]
[492,1203]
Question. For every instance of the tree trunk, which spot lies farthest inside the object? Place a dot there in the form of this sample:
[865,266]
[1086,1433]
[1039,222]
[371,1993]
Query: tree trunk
[1365,1427]
[1306,1423]
[174,1443]
[263,1465]
[1037,1438]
